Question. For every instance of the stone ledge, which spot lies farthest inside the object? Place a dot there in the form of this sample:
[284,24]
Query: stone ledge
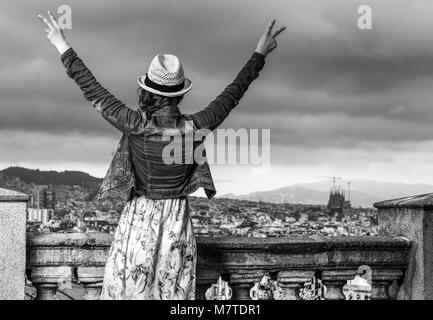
[69,240]
[423,201]
[324,253]
[12,196]
[304,244]
[286,244]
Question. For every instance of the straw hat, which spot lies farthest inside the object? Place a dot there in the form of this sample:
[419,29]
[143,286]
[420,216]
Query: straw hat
[165,77]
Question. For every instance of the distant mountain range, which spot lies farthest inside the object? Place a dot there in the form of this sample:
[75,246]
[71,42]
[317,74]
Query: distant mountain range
[36,176]
[363,192]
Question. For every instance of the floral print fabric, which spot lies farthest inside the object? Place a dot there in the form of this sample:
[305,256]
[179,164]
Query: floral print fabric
[153,255]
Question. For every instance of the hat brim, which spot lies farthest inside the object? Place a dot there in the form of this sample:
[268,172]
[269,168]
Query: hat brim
[186,88]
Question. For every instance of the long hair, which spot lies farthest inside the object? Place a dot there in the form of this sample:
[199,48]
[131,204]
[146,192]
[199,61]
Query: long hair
[150,102]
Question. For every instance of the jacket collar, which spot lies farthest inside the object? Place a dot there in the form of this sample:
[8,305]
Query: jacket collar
[167,111]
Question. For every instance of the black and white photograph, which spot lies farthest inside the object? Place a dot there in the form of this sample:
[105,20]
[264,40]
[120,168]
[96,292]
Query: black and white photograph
[233,152]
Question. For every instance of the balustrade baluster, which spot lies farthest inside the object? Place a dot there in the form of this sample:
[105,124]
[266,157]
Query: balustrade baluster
[393,290]
[385,285]
[380,290]
[91,278]
[242,281]
[47,280]
[93,290]
[46,291]
[334,280]
[291,281]
[205,278]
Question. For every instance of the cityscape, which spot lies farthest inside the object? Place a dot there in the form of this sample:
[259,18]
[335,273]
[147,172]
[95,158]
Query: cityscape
[72,208]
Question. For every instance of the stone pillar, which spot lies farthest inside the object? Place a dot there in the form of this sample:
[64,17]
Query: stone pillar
[411,217]
[13,209]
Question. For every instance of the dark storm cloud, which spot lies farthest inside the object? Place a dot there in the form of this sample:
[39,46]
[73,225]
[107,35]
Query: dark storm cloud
[328,83]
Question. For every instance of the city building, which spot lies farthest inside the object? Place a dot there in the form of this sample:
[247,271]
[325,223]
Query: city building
[41,205]
[43,197]
[40,215]
[337,201]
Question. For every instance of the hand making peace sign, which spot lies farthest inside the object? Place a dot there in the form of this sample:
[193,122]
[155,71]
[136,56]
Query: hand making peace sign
[54,33]
[267,42]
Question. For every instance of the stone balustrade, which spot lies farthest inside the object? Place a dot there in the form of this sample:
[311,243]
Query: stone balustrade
[12,244]
[396,264]
[289,263]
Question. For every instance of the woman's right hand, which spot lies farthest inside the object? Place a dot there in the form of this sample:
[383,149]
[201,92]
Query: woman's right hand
[267,42]
[54,33]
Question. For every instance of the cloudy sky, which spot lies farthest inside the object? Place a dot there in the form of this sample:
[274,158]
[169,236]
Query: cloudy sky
[338,100]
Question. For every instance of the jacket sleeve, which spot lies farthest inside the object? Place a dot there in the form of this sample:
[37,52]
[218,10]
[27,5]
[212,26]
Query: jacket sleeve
[214,114]
[113,110]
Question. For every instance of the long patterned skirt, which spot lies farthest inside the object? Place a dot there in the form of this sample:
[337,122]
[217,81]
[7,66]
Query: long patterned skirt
[153,255]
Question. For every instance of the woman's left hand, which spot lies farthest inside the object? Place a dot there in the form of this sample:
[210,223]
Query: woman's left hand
[54,33]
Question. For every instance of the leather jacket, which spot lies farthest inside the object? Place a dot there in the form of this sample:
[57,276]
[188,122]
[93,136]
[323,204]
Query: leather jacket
[137,166]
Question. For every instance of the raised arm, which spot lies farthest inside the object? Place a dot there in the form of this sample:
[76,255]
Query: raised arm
[113,110]
[214,114]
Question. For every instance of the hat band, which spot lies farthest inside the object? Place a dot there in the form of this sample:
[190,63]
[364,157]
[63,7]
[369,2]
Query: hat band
[163,88]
